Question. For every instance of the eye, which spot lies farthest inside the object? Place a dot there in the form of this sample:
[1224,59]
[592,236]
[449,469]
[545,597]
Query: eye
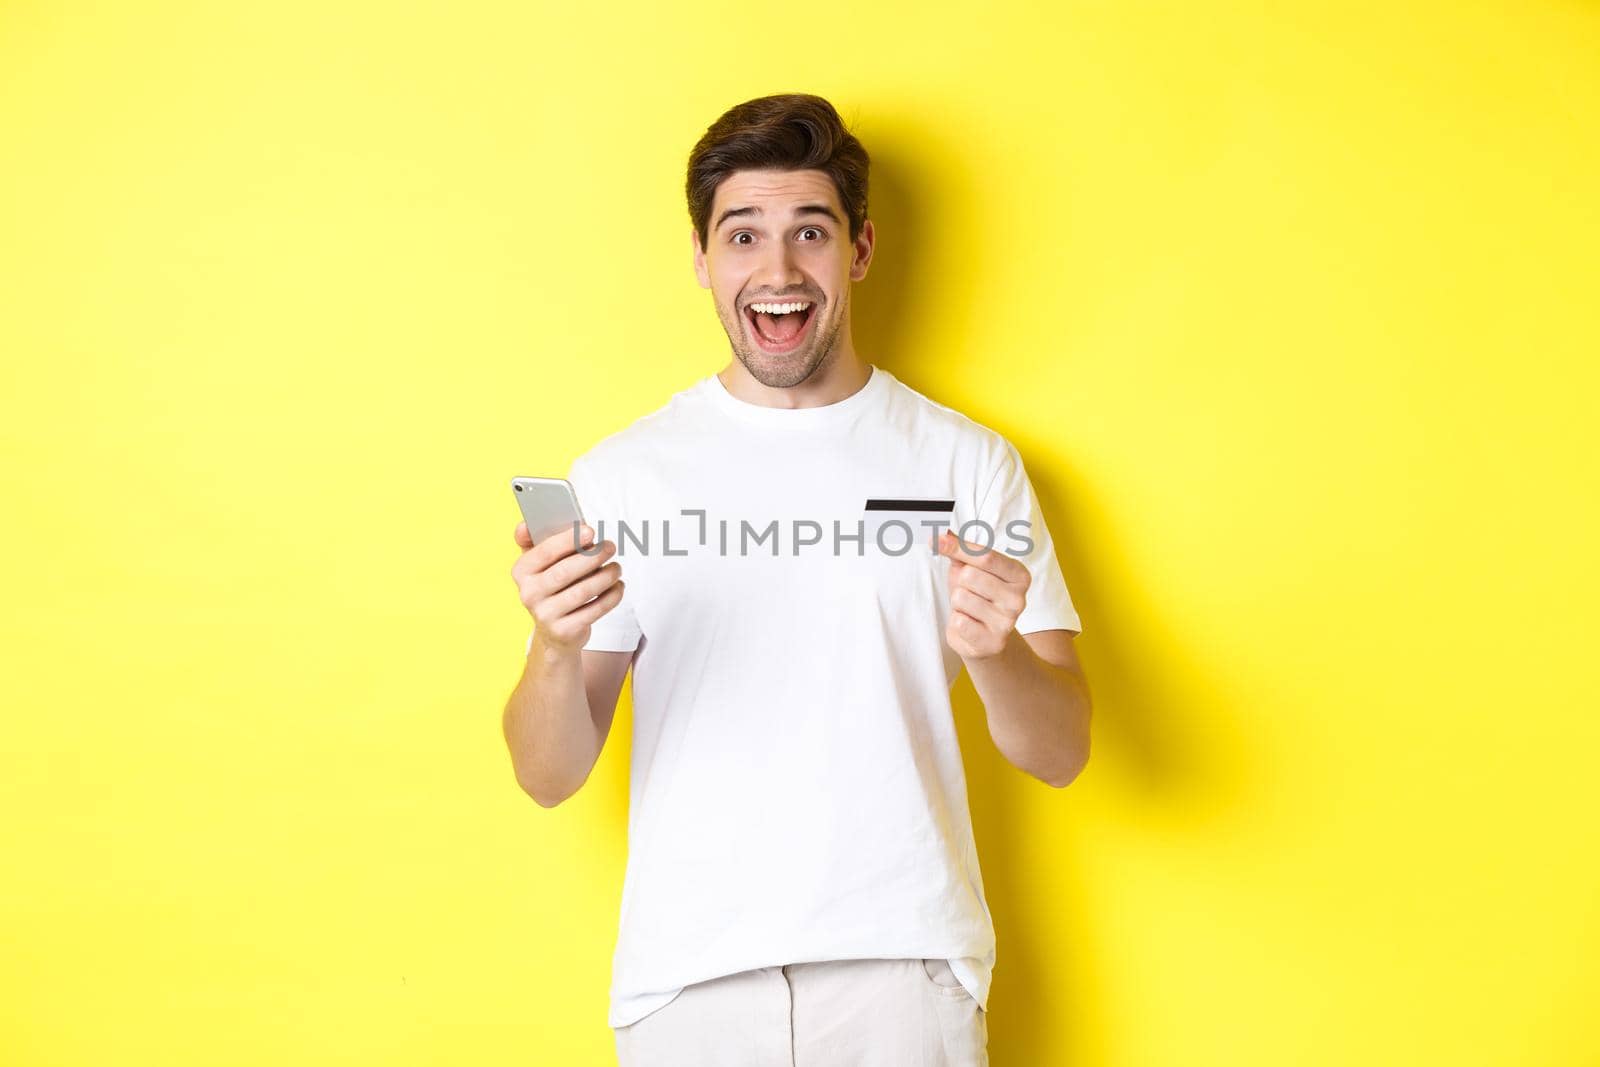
[816,230]
[741,233]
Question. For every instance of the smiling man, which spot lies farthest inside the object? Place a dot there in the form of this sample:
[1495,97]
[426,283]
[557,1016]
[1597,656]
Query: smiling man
[802,885]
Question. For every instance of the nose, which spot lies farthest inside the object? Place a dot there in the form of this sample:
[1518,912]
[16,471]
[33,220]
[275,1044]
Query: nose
[778,271]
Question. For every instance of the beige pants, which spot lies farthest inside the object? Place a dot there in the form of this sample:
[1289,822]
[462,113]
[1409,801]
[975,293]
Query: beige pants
[834,1013]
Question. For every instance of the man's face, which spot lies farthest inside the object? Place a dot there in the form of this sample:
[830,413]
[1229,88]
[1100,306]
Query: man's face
[780,237]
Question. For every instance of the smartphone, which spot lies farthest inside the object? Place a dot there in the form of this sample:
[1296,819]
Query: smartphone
[549,505]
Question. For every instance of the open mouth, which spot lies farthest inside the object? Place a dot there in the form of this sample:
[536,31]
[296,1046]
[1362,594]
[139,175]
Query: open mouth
[779,326]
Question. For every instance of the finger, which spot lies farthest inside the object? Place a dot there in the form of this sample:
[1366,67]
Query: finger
[568,627]
[560,544]
[991,560]
[552,551]
[966,629]
[570,568]
[599,605]
[522,536]
[966,602]
[962,621]
[581,592]
[999,564]
[1007,596]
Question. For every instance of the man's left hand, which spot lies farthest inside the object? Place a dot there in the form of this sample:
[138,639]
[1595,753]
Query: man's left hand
[988,590]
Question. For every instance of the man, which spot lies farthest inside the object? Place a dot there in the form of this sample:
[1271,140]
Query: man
[802,884]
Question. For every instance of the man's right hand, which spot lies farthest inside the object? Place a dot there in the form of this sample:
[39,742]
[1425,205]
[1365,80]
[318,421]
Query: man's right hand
[563,589]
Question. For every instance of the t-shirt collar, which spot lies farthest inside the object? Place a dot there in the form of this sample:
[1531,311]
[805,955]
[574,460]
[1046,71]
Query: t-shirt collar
[821,415]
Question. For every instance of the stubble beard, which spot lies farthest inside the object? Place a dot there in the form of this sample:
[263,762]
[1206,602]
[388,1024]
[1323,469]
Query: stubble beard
[784,372]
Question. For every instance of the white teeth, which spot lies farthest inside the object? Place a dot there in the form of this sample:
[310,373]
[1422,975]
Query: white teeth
[780,309]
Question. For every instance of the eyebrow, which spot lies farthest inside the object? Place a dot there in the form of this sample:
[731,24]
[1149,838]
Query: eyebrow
[804,209]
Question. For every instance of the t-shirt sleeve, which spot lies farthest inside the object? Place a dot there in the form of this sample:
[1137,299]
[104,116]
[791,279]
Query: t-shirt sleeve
[1011,510]
[618,629]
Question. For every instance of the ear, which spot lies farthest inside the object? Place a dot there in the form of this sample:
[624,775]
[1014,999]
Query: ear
[864,244]
[700,271]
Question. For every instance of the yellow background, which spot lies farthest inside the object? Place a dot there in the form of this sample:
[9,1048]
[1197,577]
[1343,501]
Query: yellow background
[1290,310]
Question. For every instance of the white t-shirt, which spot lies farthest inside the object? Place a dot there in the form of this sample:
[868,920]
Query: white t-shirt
[797,791]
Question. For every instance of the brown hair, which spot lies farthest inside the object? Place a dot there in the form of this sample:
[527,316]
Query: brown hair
[789,131]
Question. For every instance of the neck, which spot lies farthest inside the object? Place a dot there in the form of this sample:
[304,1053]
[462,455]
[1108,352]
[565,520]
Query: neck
[832,381]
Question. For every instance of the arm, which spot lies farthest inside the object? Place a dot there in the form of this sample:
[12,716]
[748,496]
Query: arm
[558,717]
[1037,701]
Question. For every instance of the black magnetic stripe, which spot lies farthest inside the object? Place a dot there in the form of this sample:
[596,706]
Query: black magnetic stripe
[911,505]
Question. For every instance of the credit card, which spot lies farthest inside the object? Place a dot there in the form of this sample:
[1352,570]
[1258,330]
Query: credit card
[913,512]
